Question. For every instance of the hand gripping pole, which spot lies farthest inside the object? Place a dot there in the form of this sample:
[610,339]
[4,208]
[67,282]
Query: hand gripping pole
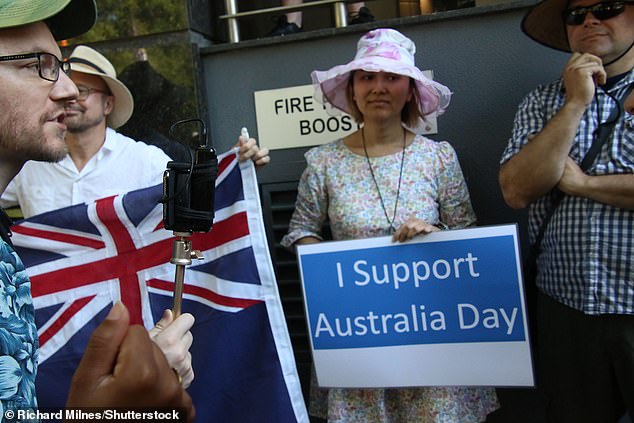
[182,255]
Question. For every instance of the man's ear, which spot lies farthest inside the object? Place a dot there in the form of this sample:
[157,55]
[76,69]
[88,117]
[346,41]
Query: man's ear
[108,105]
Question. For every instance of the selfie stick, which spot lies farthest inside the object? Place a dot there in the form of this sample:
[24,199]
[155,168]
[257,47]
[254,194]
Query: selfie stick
[188,205]
[182,255]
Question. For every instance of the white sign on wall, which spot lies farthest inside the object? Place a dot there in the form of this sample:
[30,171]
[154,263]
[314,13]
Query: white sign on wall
[291,117]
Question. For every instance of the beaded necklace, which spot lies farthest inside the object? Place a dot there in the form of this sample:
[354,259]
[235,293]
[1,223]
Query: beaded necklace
[400,177]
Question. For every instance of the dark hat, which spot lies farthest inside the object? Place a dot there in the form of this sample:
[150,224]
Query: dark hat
[65,18]
[544,23]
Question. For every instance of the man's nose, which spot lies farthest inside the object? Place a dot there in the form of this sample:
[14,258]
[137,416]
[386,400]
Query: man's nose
[64,89]
[590,19]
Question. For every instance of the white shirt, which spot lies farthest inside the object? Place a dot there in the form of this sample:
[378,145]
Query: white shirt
[121,165]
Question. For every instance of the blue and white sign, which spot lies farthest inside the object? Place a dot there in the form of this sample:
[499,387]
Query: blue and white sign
[445,309]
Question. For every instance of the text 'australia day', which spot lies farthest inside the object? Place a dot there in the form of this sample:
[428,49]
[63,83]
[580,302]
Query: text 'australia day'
[405,317]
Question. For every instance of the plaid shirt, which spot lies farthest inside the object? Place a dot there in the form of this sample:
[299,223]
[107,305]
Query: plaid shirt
[587,253]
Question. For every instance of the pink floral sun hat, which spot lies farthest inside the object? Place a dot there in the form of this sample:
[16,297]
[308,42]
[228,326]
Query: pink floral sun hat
[381,50]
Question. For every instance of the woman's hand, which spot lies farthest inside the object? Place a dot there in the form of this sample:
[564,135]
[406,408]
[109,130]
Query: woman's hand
[411,228]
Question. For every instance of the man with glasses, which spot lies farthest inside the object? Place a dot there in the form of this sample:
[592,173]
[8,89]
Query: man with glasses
[121,366]
[571,159]
[100,161]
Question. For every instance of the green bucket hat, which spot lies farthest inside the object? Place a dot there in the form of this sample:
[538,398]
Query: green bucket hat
[65,18]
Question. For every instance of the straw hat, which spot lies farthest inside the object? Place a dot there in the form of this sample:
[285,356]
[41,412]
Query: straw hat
[381,50]
[544,24]
[65,18]
[87,60]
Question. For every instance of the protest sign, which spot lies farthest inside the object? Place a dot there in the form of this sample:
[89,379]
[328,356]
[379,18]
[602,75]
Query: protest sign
[444,309]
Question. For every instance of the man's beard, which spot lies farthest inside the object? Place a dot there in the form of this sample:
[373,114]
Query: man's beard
[80,123]
[32,143]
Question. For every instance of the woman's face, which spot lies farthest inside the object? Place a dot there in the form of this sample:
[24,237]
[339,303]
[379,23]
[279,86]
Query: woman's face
[380,95]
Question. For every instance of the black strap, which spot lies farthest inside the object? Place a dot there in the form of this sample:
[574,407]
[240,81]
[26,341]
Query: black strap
[87,63]
[5,224]
[601,135]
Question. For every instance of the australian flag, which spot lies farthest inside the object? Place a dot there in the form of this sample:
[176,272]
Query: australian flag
[83,258]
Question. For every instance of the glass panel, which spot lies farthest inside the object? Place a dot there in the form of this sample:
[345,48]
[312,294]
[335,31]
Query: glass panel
[131,18]
[162,81]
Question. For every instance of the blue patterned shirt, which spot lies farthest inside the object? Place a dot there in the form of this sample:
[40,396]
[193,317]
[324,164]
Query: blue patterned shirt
[18,335]
[587,253]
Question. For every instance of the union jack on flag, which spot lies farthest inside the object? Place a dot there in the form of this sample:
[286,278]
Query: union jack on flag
[83,258]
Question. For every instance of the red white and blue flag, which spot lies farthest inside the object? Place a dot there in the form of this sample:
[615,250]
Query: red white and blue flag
[83,258]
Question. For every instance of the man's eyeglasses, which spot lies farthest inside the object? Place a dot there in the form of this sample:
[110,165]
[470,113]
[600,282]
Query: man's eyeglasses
[84,92]
[48,65]
[601,11]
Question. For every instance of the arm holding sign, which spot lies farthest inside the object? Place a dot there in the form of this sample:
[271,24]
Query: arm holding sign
[411,228]
[308,240]
[453,199]
[454,203]
[311,206]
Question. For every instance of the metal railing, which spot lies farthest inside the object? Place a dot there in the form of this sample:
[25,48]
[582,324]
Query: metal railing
[232,16]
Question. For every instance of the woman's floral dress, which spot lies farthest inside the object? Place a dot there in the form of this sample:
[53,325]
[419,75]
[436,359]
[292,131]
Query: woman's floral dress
[337,186]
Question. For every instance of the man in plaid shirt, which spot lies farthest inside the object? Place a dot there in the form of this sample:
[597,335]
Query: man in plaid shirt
[585,277]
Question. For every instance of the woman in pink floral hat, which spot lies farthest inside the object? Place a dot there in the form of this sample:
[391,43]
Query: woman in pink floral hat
[385,179]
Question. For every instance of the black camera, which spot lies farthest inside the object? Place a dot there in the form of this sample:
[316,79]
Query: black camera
[189,188]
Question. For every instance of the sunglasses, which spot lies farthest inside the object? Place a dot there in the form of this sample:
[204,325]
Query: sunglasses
[601,11]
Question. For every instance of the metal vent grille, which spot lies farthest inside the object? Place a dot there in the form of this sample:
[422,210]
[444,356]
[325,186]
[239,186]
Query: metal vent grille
[278,203]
